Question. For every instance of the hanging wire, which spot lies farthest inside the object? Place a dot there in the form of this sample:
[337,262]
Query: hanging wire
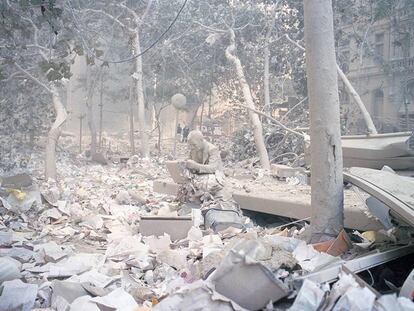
[140,54]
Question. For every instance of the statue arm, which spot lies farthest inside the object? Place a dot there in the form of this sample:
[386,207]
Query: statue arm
[212,166]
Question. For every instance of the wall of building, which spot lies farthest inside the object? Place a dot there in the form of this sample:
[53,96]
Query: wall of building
[380,76]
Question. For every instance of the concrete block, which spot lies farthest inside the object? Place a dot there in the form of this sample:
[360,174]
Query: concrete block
[299,207]
[165,187]
[284,171]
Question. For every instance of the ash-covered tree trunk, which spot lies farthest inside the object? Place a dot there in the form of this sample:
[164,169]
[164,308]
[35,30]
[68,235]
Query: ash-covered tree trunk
[92,128]
[133,32]
[159,130]
[89,105]
[131,119]
[54,134]
[266,77]
[266,52]
[254,119]
[56,129]
[140,97]
[326,153]
[100,114]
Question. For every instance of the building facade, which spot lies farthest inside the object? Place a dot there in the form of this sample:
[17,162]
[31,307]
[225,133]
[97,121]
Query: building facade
[381,70]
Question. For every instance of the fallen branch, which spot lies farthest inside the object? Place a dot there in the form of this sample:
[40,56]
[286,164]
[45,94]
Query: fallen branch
[273,119]
[365,114]
[295,156]
[231,55]
[293,108]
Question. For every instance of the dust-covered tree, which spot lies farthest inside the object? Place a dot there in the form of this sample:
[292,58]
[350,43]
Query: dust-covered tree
[37,44]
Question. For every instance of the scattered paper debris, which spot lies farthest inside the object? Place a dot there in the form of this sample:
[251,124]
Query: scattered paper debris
[17,295]
[9,269]
[88,248]
[118,300]
[309,298]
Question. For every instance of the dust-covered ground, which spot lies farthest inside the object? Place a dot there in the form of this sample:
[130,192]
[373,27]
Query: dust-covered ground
[75,243]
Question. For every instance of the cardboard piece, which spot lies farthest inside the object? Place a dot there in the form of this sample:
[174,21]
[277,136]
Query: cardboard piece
[256,285]
[335,247]
[176,170]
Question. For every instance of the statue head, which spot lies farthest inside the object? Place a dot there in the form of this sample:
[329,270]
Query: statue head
[179,101]
[195,140]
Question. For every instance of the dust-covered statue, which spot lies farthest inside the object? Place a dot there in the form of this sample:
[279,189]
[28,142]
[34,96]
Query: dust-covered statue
[206,184]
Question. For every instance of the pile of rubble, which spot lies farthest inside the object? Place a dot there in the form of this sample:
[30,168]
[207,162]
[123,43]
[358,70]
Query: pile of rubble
[102,239]
[282,147]
[242,145]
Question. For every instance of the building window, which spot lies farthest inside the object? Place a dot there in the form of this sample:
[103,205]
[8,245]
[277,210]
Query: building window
[379,44]
[409,93]
[407,47]
[379,37]
[377,107]
[396,49]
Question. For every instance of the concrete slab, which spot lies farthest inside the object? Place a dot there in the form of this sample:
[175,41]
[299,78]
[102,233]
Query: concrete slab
[376,146]
[18,181]
[299,206]
[397,163]
[165,187]
[176,227]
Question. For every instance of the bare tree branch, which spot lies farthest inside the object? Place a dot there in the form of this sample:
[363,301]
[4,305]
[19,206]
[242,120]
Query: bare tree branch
[294,42]
[115,19]
[27,46]
[33,78]
[293,108]
[272,119]
[37,46]
[365,114]
[14,74]
[35,37]
[147,9]
[210,28]
[129,10]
